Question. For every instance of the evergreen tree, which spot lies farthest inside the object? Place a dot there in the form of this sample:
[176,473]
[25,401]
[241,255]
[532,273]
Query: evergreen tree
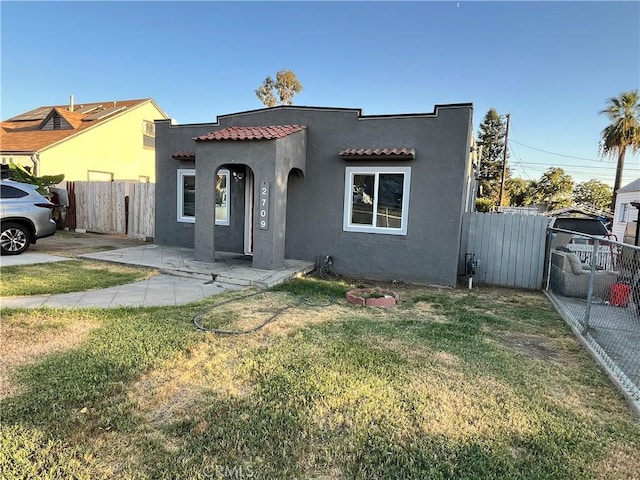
[491,135]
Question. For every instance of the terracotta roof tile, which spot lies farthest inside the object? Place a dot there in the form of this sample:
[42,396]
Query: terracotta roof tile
[26,136]
[184,155]
[251,133]
[403,152]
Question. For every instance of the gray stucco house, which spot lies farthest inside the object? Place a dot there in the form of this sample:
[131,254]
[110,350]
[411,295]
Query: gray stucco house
[383,195]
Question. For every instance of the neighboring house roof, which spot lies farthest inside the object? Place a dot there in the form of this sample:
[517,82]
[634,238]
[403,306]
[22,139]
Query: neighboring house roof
[379,152]
[630,187]
[251,133]
[584,211]
[43,127]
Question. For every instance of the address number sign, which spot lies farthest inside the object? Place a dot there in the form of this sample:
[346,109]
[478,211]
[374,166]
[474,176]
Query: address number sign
[263,210]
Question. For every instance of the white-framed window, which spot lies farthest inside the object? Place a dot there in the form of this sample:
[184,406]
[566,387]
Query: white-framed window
[148,128]
[376,199]
[186,196]
[97,176]
[222,197]
[624,211]
[148,134]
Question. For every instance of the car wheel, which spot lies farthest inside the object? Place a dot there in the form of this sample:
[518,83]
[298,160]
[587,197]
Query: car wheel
[14,239]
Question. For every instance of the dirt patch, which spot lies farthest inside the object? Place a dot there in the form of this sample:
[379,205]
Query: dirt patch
[621,463]
[71,244]
[220,364]
[176,389]
[530,345]
[426,311]
[284,310]
[26,340]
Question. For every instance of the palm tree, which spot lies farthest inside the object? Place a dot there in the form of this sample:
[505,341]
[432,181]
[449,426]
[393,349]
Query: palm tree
[623,132]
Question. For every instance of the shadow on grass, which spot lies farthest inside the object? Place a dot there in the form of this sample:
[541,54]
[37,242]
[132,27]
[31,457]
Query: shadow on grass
[357,397]
[328,404]
[92,375]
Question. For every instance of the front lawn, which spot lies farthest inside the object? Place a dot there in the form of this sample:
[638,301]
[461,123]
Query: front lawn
[450,384]
[65,277]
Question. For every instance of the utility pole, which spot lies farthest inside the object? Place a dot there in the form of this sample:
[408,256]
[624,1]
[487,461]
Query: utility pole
[504,162]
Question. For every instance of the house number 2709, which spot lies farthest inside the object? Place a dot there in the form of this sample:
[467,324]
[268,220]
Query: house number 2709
[263,207]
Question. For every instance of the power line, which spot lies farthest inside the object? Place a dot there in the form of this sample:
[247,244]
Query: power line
[519,163]
[574,172]
[579,170]
[582,171]
[523,170]
[627,167]
[569,166]
[554,153]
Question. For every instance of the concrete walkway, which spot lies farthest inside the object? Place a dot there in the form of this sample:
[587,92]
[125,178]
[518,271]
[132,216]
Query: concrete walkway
[30,258]
[161,290]
[182,280]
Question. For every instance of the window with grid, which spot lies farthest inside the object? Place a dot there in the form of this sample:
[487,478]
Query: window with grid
[376,199]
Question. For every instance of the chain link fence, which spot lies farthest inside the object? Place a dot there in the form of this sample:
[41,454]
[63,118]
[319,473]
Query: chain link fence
[595,285]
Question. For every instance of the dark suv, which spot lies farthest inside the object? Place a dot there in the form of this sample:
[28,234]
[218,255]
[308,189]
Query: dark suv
[25,217]
[588,226]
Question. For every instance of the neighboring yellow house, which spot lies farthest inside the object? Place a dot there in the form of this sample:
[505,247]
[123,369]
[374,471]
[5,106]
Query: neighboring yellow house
[101,141]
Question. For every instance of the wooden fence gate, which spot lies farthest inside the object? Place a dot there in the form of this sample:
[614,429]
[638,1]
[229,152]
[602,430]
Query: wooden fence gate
[510,248]
[113,207]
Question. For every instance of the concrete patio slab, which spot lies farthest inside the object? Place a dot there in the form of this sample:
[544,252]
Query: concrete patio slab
[229,269]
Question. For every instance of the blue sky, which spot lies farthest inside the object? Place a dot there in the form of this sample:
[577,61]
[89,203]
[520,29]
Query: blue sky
[551,65]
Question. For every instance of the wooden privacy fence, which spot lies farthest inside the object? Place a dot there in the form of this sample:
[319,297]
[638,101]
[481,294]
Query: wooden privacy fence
[142,211]
[113,207]
[510,248]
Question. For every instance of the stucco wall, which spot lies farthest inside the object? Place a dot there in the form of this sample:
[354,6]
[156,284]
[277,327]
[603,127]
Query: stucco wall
[210,156]
[172,139]
[115,146]
[315,202]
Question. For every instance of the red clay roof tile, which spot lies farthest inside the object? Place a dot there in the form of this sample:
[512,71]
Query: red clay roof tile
[184,155]
[251,133]
[403,152]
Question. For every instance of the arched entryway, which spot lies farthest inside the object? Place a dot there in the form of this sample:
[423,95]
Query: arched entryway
[262,165]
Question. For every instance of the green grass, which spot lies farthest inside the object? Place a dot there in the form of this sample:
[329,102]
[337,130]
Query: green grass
[428,390]
[31,453]
[310,287]
[65,277]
